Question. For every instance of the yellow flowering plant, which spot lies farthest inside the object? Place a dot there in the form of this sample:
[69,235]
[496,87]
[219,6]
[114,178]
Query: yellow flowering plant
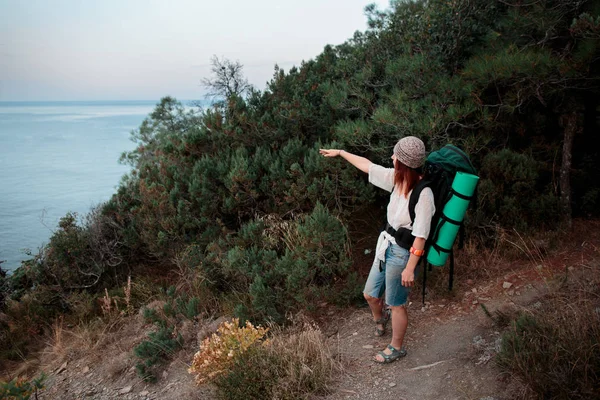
[217,352]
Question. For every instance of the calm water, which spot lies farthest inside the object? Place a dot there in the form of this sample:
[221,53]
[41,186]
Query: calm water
[57,157]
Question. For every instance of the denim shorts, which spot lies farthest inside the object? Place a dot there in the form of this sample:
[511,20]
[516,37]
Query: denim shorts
[389,279]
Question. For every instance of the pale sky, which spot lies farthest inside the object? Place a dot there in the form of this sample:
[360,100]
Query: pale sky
[147,49]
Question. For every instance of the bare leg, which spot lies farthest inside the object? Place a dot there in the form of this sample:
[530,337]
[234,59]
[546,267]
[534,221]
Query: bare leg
[399,325]
[376,306]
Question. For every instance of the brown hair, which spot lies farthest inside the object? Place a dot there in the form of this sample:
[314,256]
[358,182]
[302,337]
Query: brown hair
[403,174]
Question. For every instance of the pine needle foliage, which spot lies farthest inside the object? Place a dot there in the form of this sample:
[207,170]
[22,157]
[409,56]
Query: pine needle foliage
[21,388]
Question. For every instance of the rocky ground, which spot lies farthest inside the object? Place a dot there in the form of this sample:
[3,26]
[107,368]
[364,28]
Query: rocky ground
[451,345]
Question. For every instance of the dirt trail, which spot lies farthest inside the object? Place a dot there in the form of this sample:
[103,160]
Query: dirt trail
[450,354]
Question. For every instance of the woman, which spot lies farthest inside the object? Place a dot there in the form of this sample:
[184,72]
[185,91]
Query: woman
[400,248]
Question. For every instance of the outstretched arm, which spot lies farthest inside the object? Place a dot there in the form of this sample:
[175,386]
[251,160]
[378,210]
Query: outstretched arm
[359,162]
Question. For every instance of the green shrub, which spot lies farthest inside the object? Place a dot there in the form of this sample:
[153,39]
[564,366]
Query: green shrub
[14,342]
[250,377]
[3,286]
[275,266]
[28,318]
[21,389]
[189,308]
[509,191]
[80,255]
[159,346]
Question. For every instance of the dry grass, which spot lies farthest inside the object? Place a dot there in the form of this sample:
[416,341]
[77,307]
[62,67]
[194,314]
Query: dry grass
[191,280]
[88,337]
[306,363]
[278,229]
[95,336]
[87,340]
[552,346]
[55,345]
[296,363]
[478,262]
[27,368]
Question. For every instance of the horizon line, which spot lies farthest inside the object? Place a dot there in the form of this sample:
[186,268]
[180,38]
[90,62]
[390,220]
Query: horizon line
[96,100]
[156,101]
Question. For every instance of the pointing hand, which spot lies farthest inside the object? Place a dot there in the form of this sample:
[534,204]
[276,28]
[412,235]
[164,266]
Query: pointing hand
[330,152]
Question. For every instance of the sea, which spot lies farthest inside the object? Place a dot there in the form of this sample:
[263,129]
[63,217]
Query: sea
[58,157]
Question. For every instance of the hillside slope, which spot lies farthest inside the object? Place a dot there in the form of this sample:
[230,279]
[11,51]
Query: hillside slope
[450,340]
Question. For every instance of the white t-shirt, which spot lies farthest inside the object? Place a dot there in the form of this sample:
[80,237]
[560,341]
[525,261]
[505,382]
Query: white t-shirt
[398,215]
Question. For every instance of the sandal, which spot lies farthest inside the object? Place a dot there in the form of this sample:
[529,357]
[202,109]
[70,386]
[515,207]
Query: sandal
[382,321]
[393,356]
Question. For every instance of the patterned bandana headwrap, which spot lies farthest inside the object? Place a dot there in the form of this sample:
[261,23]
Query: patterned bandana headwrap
[410,151]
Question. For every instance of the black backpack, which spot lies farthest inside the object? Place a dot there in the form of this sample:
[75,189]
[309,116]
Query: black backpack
[439,170]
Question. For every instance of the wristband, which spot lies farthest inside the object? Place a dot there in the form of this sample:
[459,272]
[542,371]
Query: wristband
[417,252]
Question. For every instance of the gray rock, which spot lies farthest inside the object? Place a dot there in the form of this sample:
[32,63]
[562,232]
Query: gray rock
[62,368]
[125,390]
[478,341]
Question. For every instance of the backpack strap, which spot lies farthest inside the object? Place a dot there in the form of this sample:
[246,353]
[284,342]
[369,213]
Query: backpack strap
[414,197]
